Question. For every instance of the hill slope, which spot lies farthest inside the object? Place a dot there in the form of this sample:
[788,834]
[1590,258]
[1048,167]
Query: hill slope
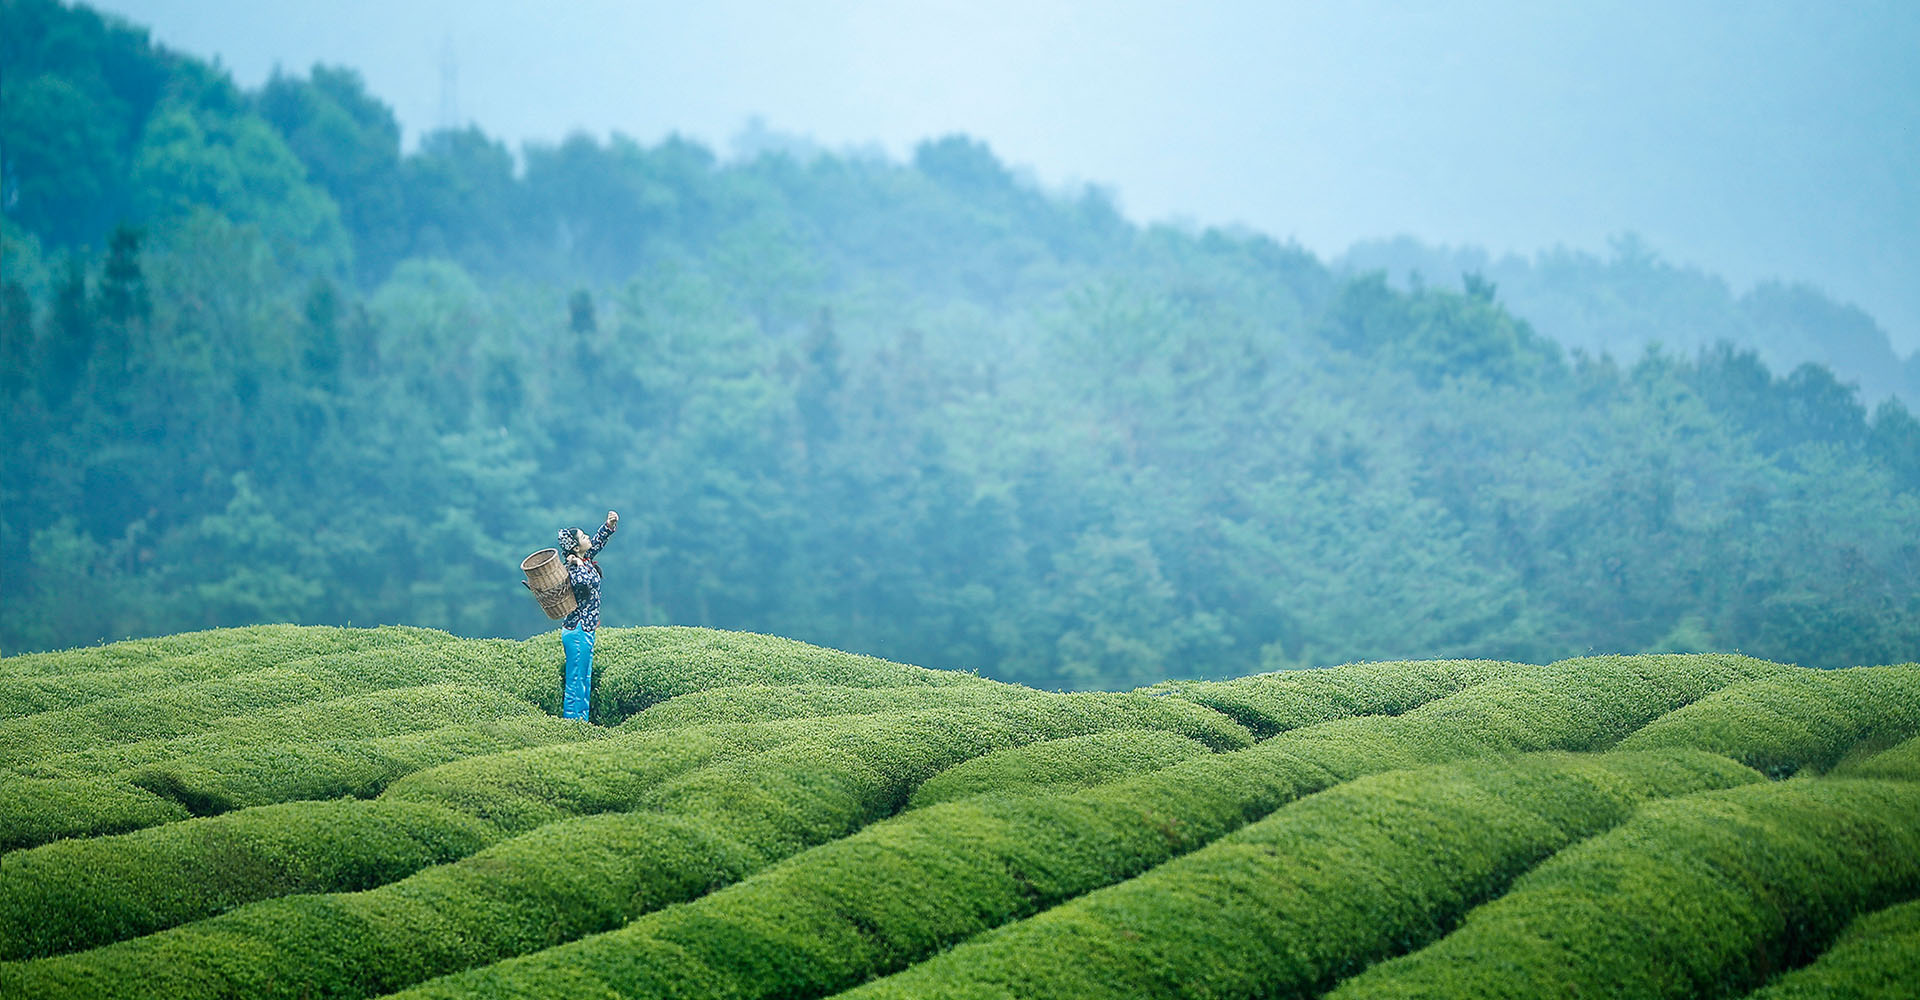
[283,811]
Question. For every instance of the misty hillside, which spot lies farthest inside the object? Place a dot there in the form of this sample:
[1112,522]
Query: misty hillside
[1633,299]
[259,364]
[353,813]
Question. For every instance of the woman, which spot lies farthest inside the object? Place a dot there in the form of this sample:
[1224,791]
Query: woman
[576,633]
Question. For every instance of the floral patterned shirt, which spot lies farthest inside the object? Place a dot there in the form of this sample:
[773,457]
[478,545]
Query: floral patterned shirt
[586,583]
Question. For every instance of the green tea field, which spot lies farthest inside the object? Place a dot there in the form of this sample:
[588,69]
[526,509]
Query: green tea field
[307,812]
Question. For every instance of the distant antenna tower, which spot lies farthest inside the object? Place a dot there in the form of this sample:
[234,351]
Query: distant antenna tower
[449,85]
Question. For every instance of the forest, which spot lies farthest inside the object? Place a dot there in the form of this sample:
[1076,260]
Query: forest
[261,363]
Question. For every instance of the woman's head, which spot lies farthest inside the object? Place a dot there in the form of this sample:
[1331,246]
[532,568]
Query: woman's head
[574,541]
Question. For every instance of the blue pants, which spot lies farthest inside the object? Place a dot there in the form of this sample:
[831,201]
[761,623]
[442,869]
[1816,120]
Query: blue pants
[579,679]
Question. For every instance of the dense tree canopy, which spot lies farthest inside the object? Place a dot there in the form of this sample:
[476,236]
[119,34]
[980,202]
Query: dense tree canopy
[261,366]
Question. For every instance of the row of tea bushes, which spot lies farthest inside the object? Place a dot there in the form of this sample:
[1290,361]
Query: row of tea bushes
[1289,699]
[1013,856]
[133,881]
[1878,956]
[186,709]
[637,668]
[1317,890]
[217,781]
[830,778]
[1780,868]
[174,711]
[190,653]
[387,712]
[1900,761]
[237,761]
[42,682]
[79,894]
[36,811]
[1802,719]
[1059,765]
[757,702]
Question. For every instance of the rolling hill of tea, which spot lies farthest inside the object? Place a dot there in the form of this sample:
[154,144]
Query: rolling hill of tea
[298,812]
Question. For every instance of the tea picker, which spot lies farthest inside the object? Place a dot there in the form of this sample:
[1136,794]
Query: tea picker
[566,581]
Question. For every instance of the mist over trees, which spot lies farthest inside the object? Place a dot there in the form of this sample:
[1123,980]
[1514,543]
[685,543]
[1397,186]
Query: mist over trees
[260,364]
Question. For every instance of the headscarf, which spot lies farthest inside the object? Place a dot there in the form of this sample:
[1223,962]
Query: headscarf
[566,536]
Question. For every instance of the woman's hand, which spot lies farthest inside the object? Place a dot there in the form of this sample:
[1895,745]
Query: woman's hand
[613,519]
[574,560]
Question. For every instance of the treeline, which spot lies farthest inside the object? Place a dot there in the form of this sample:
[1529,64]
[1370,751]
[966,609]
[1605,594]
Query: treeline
[261,365]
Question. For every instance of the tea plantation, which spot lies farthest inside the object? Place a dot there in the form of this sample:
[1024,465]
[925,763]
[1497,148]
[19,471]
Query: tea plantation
[302,812]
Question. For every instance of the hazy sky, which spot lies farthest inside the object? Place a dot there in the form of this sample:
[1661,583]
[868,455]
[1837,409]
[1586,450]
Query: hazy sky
[1755,139]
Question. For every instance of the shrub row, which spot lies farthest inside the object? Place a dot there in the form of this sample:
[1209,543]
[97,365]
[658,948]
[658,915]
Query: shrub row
[79,894]
[835,776]
[1801,719]
[1900,762]
[1058,765]
[191,708]
[39,682]
[175,855]
[1877,956]
[36,811]
[1701,896]
[389,712]
[173,711]
[764,702]
[1289,699]
[636,668]
[255,774]
[1019,855]
[272,644]
[1317,890]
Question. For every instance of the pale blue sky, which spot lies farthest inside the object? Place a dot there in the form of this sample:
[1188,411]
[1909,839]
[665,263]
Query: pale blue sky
[1754,139]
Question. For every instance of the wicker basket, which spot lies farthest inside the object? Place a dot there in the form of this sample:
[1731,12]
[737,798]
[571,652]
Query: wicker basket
[547,578]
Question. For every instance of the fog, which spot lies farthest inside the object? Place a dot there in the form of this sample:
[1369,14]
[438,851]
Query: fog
[1752,140]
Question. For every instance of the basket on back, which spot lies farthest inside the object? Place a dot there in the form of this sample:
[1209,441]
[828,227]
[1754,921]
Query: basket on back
[547,578]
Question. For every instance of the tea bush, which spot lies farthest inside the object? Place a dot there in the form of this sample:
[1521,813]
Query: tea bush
[1315,891]
[1271,703]
[78,894]
[1074,762]
[1877,956]
[38,682]
[175,711]
[1706,895]
[1018,855]
[1900,761]
[217,781]
[637,668]
[374,714]
[1802,719]
[765,702]
[810,782]
[37,811]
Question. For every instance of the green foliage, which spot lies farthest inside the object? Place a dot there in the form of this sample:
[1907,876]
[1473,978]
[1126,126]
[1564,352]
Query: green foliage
[746,830]
[751,795]
[216,781]
[1901,761]
[1877,956]
[1061,765]
[1780,867]
[765,701]
[954,869]
[1316,891]
[384,713]
[1275,702]
[1803,719]
[83,893]
[38,810]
